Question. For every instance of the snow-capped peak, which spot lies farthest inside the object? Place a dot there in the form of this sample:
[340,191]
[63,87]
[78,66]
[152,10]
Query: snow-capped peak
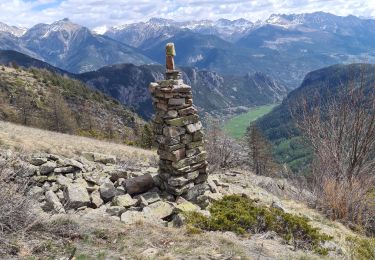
[16,31]
[64,25]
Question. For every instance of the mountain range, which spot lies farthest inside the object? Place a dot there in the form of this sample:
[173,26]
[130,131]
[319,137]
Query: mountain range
[70,46]
[128,84]
[285,47]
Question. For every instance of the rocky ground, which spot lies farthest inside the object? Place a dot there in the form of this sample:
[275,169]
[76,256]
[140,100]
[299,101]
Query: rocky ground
[86,209]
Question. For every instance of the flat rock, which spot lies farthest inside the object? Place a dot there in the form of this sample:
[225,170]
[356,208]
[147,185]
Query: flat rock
[98,157]
[186,206]
[131,217]
[37,161]
[124,201]
[115,210]
[67,169]
[47,167]
[158,210]
[76,196]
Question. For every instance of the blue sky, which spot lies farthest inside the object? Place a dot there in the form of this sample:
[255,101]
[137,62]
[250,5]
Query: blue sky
[99,13]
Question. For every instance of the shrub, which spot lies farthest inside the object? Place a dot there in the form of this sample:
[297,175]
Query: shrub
[16,212]
[223,151]
[243,216]
[362,248]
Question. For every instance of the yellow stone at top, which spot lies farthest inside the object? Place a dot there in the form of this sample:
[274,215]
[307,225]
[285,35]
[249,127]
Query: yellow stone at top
[170,50]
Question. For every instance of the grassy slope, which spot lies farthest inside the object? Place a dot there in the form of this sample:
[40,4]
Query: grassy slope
[33,140]
[236,126]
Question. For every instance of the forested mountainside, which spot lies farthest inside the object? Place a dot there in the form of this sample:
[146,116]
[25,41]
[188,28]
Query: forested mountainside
[319,86]
[213,93]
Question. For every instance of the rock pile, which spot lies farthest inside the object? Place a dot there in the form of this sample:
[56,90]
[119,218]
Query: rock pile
[89,181]
[179,137]
[98,182]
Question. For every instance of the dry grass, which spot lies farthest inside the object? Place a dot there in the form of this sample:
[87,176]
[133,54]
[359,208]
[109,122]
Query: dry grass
[33,140]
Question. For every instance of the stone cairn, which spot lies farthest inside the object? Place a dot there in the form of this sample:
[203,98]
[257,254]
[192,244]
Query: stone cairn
[179,135]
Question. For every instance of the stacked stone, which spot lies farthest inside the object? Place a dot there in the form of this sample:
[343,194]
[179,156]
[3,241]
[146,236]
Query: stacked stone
[179,137]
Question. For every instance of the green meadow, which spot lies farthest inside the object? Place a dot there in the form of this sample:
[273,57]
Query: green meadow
[236,126]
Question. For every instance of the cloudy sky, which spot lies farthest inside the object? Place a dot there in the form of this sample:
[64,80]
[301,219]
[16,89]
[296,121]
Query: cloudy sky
[97,13]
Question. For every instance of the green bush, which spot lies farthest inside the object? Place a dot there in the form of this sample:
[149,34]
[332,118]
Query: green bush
[243,216]
[362,248]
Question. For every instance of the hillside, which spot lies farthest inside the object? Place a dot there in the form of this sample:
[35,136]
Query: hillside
[155,230]
[43,99]
[8,58]
[324,84]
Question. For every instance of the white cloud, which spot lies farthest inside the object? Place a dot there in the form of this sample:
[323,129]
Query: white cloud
[99,13]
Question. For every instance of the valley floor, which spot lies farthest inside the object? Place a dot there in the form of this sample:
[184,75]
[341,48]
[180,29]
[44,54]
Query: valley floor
[93,234]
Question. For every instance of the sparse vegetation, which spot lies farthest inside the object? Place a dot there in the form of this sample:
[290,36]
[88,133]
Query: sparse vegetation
[260,153]
[243,216]
[341,133]
[15,207]
[223,151]
[362,248]
[46,100]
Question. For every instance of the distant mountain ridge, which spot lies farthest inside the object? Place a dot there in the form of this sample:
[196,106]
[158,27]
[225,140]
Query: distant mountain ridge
[71,47]
[129,83]
[285,47]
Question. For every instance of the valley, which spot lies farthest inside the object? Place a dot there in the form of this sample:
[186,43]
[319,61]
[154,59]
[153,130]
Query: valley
[236,126]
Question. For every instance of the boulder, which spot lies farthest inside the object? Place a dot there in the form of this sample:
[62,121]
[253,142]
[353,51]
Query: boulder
[37,161]
[139,184]
[212,186]
[35,192]
[67,169]
[131,217]
[124,201]
[63,181]
[73,163]
[53,202]
[150,197]
[158,210]
[115,210]
[95,177]
[76,196]
[195,191]
[96,200]
[107,190]
[30,170]
[186,206]
[98,157]
[47,167]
